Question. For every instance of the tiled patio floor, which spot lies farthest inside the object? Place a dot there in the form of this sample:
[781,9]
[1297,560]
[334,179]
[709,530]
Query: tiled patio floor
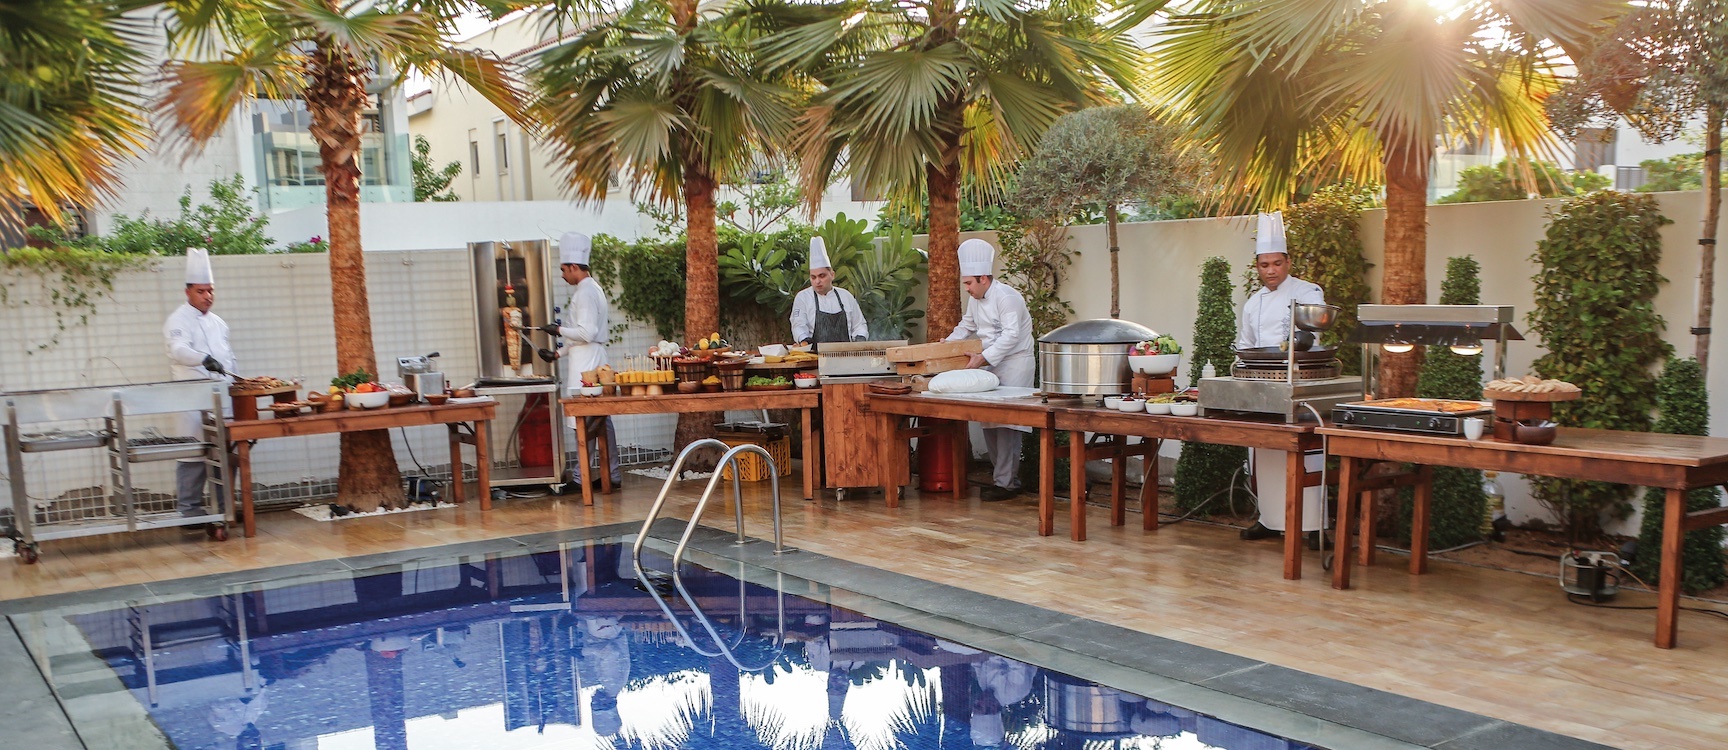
[1501,644]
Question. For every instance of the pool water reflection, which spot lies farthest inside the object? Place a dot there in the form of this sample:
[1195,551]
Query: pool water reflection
[563,649]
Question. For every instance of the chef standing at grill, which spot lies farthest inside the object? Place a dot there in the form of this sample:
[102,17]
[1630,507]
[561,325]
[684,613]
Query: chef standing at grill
[197,350]
[823,313]
[584,345]
[1265,322]
[996,314]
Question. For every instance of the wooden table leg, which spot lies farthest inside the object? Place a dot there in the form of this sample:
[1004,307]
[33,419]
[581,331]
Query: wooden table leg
[1346,518]
[1046,482]
[1294,471]
[483,463]
[1077,486]
[455,461]
[1366,526]
[1419,520]
[1668,584]
[1149,487]
[605,470]
[1118,479]
[243,461]
[809,457]
[960,442]
[585,472]
[889,429]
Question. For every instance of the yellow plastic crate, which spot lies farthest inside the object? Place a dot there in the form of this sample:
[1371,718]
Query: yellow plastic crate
[751,466]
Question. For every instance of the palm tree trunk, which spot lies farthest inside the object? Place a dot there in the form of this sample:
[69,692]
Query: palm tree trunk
[1707,236]
[701,292]
[943,311]
[1406,278]
[1115,269]
[367,476]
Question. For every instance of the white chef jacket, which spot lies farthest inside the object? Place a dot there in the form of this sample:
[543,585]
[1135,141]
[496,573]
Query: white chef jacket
[192,335]
[1004,325]
[584,333]
[807,303]
[1265,317]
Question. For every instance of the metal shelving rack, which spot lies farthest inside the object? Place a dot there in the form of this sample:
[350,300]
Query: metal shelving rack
[112,406]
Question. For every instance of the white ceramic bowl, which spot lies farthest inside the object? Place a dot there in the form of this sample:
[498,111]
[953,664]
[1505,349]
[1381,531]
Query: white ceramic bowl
[1154,364]
[1132,406]
[590,390]
[1157,407]
[1185,409]
[373,400]
[1112,402]
[805,382]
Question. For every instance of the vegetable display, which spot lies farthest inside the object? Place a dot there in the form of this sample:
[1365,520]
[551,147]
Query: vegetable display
[760,380]
[1160,345]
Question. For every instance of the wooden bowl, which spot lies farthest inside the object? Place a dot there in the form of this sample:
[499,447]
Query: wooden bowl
[437,399]
[689,386]
[713,387]
[462,393]
[1534,432]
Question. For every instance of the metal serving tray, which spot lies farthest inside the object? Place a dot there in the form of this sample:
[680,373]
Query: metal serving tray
[46,442]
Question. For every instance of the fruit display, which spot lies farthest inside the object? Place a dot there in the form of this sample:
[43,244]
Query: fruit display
[711,343]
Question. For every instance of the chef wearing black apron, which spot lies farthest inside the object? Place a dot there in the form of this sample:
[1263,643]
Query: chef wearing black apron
[824,313]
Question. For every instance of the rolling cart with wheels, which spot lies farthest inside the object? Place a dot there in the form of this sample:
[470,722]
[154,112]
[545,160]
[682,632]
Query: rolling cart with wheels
[97,417]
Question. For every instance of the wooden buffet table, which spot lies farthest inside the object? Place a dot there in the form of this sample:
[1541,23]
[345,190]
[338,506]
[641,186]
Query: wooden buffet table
[1270,433]
[806,400]
[243,433]
[954,412]
[1675,463]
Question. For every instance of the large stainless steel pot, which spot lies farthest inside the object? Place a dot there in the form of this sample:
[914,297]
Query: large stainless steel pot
[1089,357]
[1072,705]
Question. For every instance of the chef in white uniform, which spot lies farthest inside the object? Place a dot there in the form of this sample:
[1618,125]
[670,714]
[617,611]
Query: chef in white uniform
[823,313]
[584,334]
[1265,322]
[996,314]
[197,350]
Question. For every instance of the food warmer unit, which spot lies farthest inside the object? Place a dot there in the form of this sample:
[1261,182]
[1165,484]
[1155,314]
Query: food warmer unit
[1269,380]
[850,430]
[1396,329]
[68,419]
[514,293]
[1089,357]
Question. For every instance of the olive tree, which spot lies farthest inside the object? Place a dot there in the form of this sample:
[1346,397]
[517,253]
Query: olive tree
[1108,156]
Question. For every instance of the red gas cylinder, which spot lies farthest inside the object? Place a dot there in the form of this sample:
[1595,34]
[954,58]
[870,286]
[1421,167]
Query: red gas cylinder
[936,463]
[534,434]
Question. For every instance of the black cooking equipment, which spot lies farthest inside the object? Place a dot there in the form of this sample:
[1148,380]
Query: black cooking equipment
[1379,417]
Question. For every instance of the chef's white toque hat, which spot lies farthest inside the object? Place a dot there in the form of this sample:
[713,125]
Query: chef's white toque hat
[574,247]
[198,266]
[977,258]
[819,254]
[1269,235]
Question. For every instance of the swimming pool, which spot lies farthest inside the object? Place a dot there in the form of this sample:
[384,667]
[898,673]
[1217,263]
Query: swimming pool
[550,642]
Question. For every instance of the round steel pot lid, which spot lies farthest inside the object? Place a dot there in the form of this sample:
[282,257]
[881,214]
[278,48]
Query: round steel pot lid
[1099,331]
[1275,354]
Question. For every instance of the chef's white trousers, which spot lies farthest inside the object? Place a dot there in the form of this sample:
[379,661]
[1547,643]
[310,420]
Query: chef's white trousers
[1269,488]
[1002,445]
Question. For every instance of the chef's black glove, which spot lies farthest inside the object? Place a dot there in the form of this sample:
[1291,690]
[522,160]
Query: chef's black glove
[551,329]
[546,354]
[212,365]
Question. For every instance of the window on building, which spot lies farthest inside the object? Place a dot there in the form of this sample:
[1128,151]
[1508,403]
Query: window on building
[473,156]
[501,147]
[1594,148]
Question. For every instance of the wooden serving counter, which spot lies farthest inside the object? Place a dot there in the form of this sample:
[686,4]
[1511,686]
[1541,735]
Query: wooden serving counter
[454,416]
[1675,463]
[806,400]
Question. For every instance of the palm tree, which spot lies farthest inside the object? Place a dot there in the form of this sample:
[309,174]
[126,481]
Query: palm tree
[69,108]
[665,93]
[923,97]
[1295,94]
[325,52]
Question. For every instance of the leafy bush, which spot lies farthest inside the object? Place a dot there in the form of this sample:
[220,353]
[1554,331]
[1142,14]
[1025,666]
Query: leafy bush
[1508,181]
[644,278]
[880,271]
[432,182]
[1685,405]
[228,225]
[1595,311]
[1457,502]
[1035,258]
[1678,172]
[1203,469]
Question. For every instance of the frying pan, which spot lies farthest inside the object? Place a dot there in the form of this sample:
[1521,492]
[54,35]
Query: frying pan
[1275,354]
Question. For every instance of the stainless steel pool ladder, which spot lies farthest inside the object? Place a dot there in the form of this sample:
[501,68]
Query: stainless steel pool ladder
[728,459]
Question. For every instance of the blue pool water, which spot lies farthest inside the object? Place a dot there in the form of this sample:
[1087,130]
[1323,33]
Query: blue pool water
[563,649]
